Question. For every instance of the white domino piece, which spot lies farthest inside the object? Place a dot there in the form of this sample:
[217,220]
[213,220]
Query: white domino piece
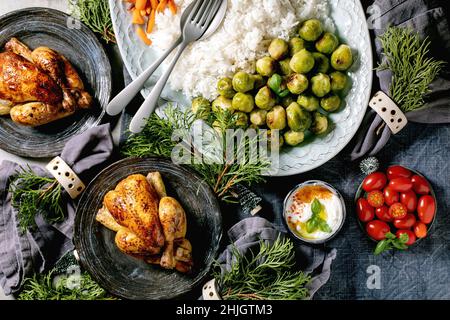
[66,177]
[388,111]
[210,291]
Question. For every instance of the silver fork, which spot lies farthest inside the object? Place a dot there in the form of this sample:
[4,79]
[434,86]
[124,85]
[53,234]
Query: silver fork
[198,21]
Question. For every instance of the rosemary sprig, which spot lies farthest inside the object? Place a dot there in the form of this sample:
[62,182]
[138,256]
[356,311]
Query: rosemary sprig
[266,275]
[32,195]
[95,14]
[156,139]
[43,287]
[406,56]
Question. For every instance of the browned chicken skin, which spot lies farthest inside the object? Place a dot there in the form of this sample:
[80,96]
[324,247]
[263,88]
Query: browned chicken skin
[41,77]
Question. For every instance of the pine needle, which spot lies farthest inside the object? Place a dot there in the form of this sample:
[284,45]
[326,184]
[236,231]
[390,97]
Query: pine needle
[95,14]
[266,275]
[406,56]
[32,195]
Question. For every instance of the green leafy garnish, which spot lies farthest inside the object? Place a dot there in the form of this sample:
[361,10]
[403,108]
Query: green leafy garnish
[32,195]
[316,222]
[266,275]
[392,242]
[276,84]
[406,56]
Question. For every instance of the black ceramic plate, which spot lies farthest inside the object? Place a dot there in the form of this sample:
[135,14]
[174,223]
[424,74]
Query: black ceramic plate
[54,29]
[131,278]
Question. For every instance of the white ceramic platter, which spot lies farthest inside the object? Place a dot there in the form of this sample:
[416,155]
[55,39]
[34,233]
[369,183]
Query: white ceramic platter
[350,21]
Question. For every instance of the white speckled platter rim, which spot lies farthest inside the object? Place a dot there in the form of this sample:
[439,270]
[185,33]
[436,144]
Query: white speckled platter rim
[350,20]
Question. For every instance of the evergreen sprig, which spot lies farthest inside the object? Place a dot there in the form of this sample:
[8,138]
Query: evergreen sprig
[44,287]
[407,57]
[32,195]
[95,14]
[266,275]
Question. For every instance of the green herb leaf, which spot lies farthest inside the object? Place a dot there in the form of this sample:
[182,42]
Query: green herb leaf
[381,247]
[312,225]
[275,82]
[316,207]
[398,245]
[284,93]
[390,236]
[323,226]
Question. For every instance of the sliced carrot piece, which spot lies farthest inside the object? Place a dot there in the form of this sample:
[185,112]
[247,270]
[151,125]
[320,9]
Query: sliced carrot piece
[172,7]
[143,13]
[154,4]
[137,18]
[141,33]
[151,21]
[141,4]
[162,5]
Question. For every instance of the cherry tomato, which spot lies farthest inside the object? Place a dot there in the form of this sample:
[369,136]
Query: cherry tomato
[374,181]
[401,184]
[364,210]
[383,214]
[420,229]
[426,209]
[377,229]
[398,211]
[375,198]
[405,223]
[420,185]
[411,236]
[398,172]
[409,199]
[390,196]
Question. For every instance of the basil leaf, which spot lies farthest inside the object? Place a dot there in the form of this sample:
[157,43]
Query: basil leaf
[382,246]
[323,226]
[274,83]
[316,207]
[390,236]
[284,93]
[400,246]
[311,225]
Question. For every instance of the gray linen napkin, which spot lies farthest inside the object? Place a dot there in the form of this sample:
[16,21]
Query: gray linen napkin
[247,234]
[36,250]
[428,19]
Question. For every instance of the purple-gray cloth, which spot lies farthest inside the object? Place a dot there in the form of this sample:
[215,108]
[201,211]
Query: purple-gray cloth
[429,19]
[22,253]
[246,235]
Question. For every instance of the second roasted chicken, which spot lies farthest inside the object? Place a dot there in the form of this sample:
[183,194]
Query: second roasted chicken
[148,224]
[39,86]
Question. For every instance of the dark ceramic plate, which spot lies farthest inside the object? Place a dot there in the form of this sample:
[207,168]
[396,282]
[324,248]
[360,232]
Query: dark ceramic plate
[55,29]
[131,278]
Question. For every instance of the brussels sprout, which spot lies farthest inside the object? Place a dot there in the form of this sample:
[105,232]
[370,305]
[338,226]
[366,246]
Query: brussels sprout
[342,58]
[331,103]
[302,62]
[241,120]
[225,88]
[285,67]
[270,137]
[258,117]
[286,101]
[222,103]
[243,102]
[311,30]
[327,44]
[294,138]
[320,124]
[321,85]
[276,118]
[243,82]
[322,64]
[297,83]
[201,107]
[297,118]
[259,81]
[278,49]
[265,99]
[295,45]
[309,103]
[338,81]
[266,66]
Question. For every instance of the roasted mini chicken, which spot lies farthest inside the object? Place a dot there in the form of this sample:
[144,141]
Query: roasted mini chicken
[147,222]
[39,86]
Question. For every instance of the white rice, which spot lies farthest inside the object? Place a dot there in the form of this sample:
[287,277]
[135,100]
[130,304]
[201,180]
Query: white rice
[246,32]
